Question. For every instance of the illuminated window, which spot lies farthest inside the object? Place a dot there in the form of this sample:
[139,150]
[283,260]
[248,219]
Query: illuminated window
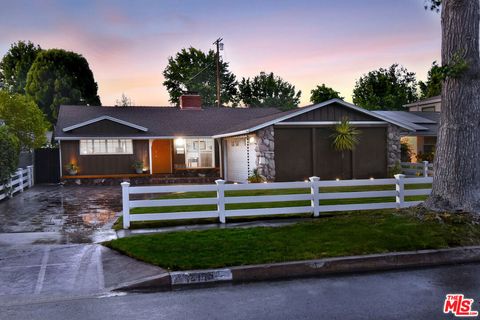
[197,153]
[106,146]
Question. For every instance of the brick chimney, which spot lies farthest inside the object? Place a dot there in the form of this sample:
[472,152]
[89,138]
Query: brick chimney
[190,102]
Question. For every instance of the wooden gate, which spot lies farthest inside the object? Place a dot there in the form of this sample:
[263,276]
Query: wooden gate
[47,165]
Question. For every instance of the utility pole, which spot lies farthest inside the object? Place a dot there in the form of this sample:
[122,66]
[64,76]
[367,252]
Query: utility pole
[219,45]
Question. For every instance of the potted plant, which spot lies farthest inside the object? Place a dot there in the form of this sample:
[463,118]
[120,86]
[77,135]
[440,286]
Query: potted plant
[138,166]
[72,169]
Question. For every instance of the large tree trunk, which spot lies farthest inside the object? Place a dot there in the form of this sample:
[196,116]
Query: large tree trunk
[456,181]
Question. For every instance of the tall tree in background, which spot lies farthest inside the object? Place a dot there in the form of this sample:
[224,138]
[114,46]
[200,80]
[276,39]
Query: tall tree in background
[60,77]
[15,64]
[124,101]
[433,86]
[268,90]
[323,93]
[456,180]
[195,71]
[24,119]
[385,89]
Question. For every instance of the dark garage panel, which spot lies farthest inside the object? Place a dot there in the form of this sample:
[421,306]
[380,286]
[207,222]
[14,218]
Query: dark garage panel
[370,158]
[47,165]
[293,154]
[329,163]
[302,152]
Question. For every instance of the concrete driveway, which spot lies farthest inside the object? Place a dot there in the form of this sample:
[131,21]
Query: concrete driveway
[60,214]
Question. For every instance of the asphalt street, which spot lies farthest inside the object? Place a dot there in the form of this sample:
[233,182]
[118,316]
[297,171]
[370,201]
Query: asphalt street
[411,294]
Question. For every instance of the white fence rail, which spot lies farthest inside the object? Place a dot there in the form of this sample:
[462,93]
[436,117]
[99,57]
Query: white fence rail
[23,178]
[315,197]
[424,169]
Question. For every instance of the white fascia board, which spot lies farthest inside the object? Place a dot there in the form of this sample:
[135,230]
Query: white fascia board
[86,123]
[132,138]
[311,108]
[328,123]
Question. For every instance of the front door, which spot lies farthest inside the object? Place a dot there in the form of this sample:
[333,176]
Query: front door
[162,156]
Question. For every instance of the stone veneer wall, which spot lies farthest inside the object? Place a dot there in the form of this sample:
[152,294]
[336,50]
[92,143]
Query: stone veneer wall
[393,145]
[265,151]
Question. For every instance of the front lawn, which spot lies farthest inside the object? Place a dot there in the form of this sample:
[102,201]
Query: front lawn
[342,235]
[253,205]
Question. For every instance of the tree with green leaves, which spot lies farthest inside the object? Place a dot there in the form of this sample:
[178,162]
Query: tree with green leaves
[268,90]
[24,119]
[456,178]
[385,89]
[192,70]
[61,77]
[9,152]
[433,86]
[15,65]
[323,93]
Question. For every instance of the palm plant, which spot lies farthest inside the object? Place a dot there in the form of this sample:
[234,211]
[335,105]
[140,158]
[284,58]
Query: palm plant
[345,136]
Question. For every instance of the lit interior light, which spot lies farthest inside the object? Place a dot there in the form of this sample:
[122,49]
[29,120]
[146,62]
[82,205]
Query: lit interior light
[264,181]
[305,180]
[338,179]
[235,183]
[371,178]
[179,142]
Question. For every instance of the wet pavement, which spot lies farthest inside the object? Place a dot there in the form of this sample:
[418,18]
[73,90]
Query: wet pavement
[60,214]
[38,272]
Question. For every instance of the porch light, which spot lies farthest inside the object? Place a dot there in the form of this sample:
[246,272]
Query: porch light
[235,183]
[338,179]
[265,182]
[251,139]
[179,142]
[372,178]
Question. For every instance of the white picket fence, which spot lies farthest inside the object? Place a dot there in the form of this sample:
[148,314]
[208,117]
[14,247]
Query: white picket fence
[315,197]
[21,179]
[424,168]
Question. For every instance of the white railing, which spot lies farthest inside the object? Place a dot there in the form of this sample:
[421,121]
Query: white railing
[315,197]
[21,179]
[417,169]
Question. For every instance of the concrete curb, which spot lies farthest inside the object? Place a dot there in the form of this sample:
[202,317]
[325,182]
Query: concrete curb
[303,269]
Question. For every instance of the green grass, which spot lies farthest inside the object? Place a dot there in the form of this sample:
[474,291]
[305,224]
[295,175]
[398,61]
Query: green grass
[254,205]
[342,235]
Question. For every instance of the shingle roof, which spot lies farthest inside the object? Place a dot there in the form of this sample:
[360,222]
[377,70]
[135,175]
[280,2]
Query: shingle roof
[166,121]
[424,101]
[425,123]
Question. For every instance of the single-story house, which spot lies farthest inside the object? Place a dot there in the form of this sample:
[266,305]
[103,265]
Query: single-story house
[227,142]
[432,104]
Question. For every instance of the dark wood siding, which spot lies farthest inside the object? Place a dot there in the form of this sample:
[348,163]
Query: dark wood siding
[104,128]
[302,152]
[332,112]
[293,154]
[104,164]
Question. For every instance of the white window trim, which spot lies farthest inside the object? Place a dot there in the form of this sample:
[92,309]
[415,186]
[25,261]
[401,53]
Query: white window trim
[103,153]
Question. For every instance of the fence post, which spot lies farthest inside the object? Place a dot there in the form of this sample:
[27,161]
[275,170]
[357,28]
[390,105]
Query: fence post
[314,190]
[221,199]
[400,188]
[30,176]
[126,204]
[20,177]
[425,169]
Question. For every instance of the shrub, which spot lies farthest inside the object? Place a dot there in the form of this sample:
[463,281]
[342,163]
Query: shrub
[9,152]
[256,177]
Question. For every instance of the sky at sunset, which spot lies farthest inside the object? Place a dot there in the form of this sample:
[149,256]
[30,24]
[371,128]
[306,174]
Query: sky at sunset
[127,43]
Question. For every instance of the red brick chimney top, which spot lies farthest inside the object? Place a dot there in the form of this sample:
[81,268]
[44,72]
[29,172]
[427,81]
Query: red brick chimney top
[191,102]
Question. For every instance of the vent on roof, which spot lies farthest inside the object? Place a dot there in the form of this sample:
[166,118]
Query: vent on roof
[191,102]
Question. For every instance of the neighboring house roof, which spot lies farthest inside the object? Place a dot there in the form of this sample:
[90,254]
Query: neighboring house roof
[425,123]
[155,122]
[426,101]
